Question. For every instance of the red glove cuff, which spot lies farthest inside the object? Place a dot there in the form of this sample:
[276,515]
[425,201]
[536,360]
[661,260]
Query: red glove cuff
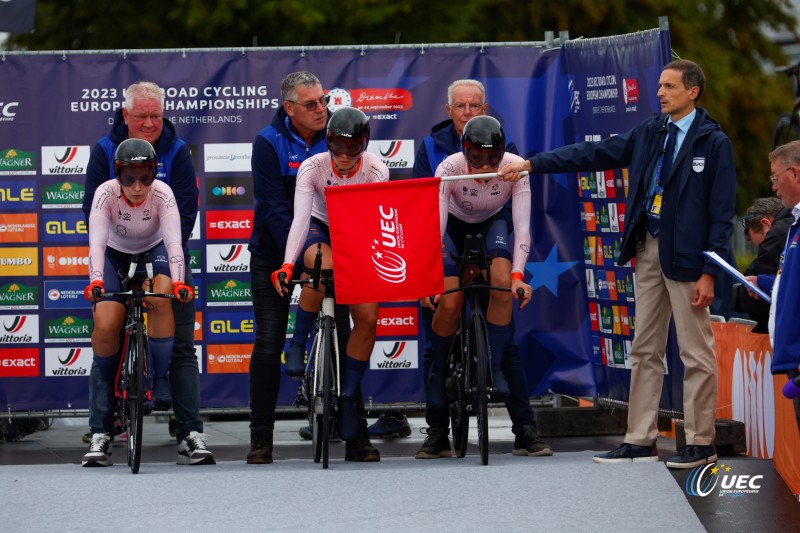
[178,286]
[87,292]
[517,275]
[287,268]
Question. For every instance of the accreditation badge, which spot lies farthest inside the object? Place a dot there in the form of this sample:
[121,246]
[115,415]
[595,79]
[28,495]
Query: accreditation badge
[698,164]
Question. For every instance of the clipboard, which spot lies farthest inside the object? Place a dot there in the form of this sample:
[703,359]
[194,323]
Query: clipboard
[714,256]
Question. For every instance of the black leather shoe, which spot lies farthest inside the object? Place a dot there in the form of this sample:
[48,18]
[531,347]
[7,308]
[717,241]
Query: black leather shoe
[692,455]
[627,453]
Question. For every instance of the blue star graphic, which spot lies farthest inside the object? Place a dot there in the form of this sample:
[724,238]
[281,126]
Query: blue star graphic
[545,273]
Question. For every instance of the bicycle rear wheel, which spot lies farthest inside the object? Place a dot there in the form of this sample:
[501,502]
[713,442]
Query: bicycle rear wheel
[479,348]
[137,352]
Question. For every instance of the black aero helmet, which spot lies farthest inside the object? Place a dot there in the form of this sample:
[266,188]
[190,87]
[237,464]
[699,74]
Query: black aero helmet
[483,141]
[136,153]
[348,132]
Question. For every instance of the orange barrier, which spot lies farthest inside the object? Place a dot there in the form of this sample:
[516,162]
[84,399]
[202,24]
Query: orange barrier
[748,392]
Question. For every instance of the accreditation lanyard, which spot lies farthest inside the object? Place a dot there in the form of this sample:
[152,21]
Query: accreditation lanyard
[656,191]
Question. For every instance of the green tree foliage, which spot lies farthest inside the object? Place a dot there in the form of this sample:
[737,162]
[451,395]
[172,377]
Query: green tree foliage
[726,37]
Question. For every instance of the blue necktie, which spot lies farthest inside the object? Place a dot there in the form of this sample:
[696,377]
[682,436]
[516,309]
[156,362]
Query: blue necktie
[665,167]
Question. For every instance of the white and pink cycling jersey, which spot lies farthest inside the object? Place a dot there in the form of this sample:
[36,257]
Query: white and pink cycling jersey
[134,229]
[476,200]
[314,176]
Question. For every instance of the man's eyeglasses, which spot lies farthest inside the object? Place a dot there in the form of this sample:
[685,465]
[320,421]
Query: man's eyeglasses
[312,105]
[460,108]
[774,177]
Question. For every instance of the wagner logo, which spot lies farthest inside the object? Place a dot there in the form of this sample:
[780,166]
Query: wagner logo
[19,363]
[229,191]
[702,481]
[195,260]
[389,265]
[19,329]
[229,224]
[65,194]
[67,362]
[228,358]
[394,154]
[229,292]
[397,321]
[65,227]
[17,162]
[68,329]
[19,261]
[394,355]
[19,296]
[18,227]
[227,258]
[64,159]
[66,260]
[17,194]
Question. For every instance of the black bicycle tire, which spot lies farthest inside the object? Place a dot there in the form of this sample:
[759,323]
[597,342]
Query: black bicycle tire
[312,374]
[479,343]
[136,398]
[327,386]
[459,415]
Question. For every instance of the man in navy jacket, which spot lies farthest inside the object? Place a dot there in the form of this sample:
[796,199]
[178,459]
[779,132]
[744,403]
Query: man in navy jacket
[677,207]
[785,286]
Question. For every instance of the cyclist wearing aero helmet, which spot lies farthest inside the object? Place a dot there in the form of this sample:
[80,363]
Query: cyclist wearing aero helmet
[345,163]
[470,208]
[131,214]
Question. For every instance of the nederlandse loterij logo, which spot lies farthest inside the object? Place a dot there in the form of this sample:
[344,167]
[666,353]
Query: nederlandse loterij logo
[14,161]
[389,265]
[703,480]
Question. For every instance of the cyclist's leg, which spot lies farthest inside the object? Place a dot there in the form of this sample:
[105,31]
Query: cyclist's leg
[359,348]
[498,315]
[184,373]
[108,319]
[271,318]
[444,325]
[161,336]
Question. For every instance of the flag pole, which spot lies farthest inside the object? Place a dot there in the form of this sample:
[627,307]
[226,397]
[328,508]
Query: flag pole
[486,176]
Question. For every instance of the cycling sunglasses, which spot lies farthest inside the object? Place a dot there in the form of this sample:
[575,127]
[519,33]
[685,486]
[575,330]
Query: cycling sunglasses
[128,181]
[481,158]
[348,147]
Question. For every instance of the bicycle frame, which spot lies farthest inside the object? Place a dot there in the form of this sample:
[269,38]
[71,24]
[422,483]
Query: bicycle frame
[133,384]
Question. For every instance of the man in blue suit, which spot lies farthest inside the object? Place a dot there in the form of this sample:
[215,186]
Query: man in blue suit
[680,202]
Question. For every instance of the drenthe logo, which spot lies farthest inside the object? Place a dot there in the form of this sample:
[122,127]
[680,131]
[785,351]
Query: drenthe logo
[702,481]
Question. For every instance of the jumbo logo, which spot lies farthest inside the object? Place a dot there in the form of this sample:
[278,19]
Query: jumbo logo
[394,355]
[231,327]
[389,265]
[19,261]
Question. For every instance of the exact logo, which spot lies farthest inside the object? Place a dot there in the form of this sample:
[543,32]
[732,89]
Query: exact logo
[19,363]
[702,481]
[229,224]
[397,321]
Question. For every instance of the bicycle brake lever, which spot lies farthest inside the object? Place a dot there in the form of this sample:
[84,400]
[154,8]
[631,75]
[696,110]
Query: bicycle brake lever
[520,296]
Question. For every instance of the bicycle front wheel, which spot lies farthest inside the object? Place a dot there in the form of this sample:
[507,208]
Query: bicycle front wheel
[137,353]
[457,398]
[479,350]
[322,419]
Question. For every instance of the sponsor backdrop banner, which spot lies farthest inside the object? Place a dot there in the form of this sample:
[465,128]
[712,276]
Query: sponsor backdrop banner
[218,101]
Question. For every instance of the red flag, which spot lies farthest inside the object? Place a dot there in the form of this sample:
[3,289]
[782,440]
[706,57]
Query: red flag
[386,241]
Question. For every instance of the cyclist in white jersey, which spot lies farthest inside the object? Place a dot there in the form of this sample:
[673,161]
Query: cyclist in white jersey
[132,214]
[345,163]
[472,207]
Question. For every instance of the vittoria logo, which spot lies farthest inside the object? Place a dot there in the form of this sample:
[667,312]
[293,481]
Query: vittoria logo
[65,159]
[398,153]
[227,258]
[67,362]
[389,264]
[19,329]
[394,355]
